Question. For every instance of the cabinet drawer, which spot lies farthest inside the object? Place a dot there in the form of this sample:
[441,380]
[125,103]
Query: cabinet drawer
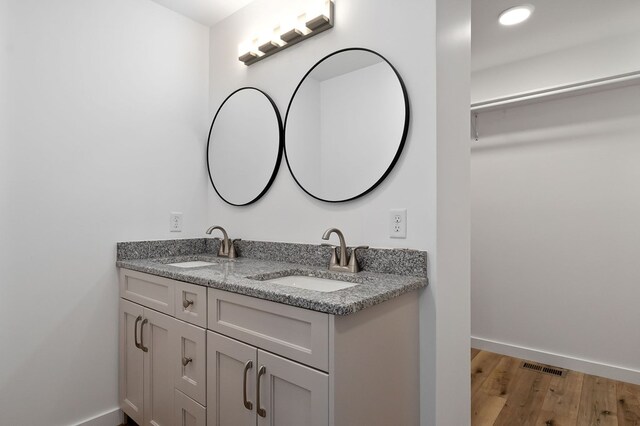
[191,303]
[295,333]
[148,290]
[191,356]
[189,412]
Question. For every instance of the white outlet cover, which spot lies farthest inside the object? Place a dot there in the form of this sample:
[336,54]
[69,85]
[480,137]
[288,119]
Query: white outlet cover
[398,223]
[175,222]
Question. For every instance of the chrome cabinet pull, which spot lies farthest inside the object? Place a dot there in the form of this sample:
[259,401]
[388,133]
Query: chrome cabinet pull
[247,404]
[261,411]
[144,349]
[135,331]
[186,361]
[186,303]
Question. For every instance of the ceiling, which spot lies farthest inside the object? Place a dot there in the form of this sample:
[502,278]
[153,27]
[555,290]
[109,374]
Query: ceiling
[554,25]
[207,12]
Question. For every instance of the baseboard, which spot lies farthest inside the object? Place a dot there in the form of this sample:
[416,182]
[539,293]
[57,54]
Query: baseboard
[572,363]
[109,418]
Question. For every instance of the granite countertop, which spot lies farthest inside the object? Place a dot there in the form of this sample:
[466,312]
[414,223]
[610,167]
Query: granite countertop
[247,276]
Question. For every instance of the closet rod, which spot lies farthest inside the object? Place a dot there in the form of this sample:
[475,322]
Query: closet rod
[557,92]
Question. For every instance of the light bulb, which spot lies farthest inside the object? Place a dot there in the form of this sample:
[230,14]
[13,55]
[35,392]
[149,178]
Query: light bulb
[516,15]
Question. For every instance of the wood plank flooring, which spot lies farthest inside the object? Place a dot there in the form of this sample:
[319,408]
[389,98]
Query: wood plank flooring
[504,394]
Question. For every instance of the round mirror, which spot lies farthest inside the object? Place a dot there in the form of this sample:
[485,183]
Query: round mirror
[346,124]
[245,146]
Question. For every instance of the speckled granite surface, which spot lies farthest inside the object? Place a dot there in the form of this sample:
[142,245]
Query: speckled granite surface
[385,261]
[162,248]
[386,274]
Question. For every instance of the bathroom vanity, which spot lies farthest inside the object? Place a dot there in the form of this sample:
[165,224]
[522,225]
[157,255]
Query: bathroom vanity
[261,340]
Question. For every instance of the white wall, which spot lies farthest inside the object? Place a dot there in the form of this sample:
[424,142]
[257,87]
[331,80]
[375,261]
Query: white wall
[103,120]
[555,232]
[446,308]
[554,209]
[405,33]
[364,221]
[597,59]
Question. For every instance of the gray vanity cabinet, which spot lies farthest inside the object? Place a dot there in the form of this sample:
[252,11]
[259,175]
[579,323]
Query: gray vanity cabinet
[318,369]
[246,383]
[262,363]
[162,358]
[146,379]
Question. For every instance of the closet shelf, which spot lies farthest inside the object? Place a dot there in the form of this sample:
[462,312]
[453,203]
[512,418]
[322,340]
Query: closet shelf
[558,92]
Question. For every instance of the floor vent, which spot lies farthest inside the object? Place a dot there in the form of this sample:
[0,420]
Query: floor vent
[545,369]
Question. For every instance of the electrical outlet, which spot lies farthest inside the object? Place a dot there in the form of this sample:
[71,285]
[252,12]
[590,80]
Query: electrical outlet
[398,223]
[175,222]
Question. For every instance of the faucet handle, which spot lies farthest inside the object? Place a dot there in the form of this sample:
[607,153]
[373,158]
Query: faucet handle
[334,256]
[232,248]
[354,266]
[221,249]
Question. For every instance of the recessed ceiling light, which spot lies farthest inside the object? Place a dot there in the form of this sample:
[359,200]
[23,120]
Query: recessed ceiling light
[516,15]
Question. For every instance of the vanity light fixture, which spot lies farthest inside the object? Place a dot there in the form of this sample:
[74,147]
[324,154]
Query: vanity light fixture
[516,15]
[317,18]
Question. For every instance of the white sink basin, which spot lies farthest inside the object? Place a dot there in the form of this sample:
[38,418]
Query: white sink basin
[312,283]
[192,264]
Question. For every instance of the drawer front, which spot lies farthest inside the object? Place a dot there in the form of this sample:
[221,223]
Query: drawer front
[191,303]
[295,333]
[151,291]
[189,412]
[191,366]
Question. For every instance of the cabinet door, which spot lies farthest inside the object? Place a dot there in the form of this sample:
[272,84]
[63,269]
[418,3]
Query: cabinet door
[157,337]
[291,394]
[231,365]
[189,412]
[131,361]
[191,366]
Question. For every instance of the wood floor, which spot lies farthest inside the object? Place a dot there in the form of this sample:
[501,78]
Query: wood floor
[502,393]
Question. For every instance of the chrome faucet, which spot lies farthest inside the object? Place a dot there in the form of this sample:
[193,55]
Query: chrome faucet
[227,248]
[344,264]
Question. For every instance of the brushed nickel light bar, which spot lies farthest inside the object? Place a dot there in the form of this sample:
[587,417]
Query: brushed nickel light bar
[306,25]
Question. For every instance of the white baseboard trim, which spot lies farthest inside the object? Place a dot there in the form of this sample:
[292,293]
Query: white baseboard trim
[594,368]
[108,418]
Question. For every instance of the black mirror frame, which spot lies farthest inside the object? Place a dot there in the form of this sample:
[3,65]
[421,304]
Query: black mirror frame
[280,146]
[403,139]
